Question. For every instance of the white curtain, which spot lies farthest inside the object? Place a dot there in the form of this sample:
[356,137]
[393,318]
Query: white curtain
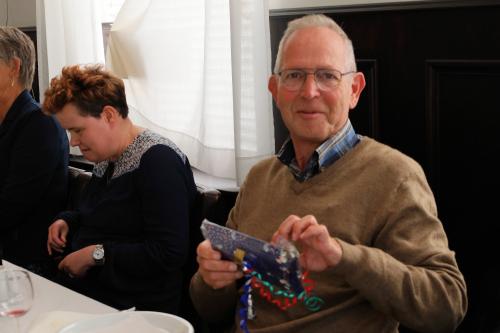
[68,32]
[196,71]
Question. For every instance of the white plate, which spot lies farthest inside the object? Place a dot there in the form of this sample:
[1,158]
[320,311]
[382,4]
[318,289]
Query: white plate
[168,322]
[54,321]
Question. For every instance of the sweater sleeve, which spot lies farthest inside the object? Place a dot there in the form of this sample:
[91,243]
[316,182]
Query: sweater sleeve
[71,217]
[37,153]
[409,273]
[165,190]
[204,297]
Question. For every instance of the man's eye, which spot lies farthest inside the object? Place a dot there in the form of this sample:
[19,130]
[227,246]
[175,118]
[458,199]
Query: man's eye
[294,75]
[326,76]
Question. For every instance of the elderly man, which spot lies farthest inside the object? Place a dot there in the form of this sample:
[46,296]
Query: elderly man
[361,213]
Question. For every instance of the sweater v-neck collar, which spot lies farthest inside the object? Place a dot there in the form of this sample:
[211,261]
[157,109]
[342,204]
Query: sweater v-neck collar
[298,187]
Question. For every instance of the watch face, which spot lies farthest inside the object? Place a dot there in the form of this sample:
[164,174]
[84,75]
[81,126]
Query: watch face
[98,254]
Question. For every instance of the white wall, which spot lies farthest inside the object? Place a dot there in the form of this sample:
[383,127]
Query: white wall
[22,13]
[282,4]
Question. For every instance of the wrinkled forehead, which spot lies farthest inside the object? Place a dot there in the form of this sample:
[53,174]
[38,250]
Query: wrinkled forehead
[319,47]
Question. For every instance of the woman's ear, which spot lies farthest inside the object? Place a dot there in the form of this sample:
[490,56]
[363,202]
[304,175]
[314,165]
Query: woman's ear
[110,114]
[15,68]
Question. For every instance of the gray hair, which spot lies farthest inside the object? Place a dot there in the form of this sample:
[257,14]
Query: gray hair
[316,20]
[16,44]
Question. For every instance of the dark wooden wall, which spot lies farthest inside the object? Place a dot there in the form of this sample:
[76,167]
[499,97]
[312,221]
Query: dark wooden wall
[433,92]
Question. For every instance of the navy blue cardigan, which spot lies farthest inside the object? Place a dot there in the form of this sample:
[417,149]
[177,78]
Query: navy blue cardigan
[33,179]
[141,214]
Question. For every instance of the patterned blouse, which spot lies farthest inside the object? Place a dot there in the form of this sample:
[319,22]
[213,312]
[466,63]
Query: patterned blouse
[139,208]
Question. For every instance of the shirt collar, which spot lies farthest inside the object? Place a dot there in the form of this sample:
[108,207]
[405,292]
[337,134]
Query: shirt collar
[325,155]
[22,105]
[16,109]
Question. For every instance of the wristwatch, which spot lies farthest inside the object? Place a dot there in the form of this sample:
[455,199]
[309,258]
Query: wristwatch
[98,255]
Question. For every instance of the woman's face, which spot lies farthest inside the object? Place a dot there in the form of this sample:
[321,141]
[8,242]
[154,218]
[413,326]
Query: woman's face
[5,80]
[92,135]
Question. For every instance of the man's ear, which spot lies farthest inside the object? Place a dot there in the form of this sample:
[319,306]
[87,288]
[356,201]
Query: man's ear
[357,86]
[110,114]
[272,86]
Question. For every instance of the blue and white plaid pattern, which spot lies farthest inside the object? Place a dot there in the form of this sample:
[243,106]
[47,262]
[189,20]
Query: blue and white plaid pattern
[325,155]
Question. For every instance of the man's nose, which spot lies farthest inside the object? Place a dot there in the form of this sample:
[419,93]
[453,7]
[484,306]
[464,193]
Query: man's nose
[310,87]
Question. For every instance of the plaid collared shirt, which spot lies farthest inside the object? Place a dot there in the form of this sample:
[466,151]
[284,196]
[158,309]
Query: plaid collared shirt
[325,155]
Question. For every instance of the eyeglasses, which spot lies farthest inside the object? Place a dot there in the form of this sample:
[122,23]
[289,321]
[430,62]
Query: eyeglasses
[326,79]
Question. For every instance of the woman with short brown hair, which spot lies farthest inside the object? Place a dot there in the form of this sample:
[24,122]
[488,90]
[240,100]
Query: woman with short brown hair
[130,231]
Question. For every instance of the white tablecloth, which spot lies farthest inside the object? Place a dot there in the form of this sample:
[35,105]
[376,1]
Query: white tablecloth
[50,296]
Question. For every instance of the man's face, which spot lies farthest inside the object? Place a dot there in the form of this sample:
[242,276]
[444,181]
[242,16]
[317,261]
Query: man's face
[313,115]
[92,135]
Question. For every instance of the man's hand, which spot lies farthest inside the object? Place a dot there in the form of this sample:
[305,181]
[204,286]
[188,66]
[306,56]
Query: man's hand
[56,240]
[76,264]
[216,272]
[319,250]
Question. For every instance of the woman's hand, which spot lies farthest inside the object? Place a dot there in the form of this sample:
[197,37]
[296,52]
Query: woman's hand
[56,240]
[76,264]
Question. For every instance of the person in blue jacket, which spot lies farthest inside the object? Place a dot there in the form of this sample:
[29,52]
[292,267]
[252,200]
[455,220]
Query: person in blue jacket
[33,159]
[127,241]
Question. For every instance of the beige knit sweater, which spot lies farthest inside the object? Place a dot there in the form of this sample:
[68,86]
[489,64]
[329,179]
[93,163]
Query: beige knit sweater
[396,264]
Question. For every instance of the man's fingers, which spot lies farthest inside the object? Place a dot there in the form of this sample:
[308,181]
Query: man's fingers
[217,265]
[205,251]
[302,225]
[315,231]
[216,272]
[293,226]
[285,228]
[219,279]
